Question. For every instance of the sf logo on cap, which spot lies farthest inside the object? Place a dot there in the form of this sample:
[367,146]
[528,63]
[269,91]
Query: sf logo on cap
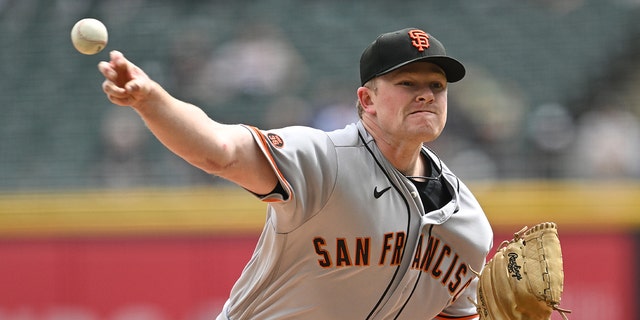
[419,39]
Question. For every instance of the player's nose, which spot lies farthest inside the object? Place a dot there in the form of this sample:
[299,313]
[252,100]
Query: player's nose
[425,96]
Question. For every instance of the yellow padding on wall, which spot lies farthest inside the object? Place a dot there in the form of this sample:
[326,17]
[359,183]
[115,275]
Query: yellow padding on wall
[130,212]
[583,205]
[592,205]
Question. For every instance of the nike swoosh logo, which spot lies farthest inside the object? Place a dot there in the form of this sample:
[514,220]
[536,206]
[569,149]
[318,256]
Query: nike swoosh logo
[377,194]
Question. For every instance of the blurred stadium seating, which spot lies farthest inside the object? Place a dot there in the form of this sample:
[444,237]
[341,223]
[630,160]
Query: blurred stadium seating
[532,52]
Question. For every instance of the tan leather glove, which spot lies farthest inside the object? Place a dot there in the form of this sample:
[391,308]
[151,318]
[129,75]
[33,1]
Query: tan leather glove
[524,279]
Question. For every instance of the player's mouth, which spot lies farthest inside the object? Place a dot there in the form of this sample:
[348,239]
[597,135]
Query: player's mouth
[422,111]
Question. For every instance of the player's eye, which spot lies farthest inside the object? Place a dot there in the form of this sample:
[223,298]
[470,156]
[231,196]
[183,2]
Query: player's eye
[438,86]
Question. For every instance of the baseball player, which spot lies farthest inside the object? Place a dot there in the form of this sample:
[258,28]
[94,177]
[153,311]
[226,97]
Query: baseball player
[363,222]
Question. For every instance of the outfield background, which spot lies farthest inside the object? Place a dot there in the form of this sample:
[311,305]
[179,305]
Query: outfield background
[99,221]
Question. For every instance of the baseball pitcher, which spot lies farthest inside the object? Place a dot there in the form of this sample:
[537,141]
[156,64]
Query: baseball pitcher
[364,222]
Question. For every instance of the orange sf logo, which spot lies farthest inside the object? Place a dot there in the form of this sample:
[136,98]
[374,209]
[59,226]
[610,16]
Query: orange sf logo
[275,140]
[420,39]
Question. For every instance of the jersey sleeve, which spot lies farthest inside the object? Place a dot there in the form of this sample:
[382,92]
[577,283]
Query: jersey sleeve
[305,161]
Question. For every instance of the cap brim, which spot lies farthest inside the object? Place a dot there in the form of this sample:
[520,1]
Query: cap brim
[453,69]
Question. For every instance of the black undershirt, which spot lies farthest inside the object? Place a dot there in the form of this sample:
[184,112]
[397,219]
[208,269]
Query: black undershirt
[433,192]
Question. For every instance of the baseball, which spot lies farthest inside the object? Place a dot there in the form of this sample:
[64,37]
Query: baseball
[89,36]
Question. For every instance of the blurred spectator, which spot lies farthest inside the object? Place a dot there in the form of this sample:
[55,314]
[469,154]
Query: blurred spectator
[608,144]
[335,116]
[123,141]
[552,130]
[286,111]
[551,127]
[334,105]
[495,106]
[189,53]
[474,164]
[487,124]
[258,61]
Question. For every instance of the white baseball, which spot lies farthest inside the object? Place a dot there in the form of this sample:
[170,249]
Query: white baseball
[89,36]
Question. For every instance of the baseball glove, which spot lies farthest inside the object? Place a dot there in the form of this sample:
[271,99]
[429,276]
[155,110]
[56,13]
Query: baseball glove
[524,279]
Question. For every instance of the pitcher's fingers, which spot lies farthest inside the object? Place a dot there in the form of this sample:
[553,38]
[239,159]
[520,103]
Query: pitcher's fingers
[122,67]
[112,89]
[116,58]
[107,70]
[115,55]
[127,101]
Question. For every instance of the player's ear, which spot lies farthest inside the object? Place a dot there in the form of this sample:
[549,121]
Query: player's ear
[365,97]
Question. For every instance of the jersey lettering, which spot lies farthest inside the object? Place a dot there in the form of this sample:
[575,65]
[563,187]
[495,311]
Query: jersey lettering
[432,245]
[456,295]
[461,272]
[436,272]
[343,254]
[447,259]
[398,248]
[362,251]
[436,257]
[318,244]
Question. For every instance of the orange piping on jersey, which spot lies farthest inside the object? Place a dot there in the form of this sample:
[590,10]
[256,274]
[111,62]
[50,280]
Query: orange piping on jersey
[445,317]
[265,148]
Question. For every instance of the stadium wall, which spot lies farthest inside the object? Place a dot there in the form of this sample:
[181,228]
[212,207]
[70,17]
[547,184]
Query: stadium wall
[175,253]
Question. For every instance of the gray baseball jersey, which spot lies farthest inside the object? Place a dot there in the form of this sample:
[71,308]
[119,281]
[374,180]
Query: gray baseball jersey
[350,238]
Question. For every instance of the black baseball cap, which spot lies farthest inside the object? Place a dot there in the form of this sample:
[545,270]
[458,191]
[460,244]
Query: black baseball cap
[393,50]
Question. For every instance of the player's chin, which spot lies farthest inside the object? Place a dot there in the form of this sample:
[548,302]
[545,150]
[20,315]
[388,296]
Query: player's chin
[430,127]
[424,134]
